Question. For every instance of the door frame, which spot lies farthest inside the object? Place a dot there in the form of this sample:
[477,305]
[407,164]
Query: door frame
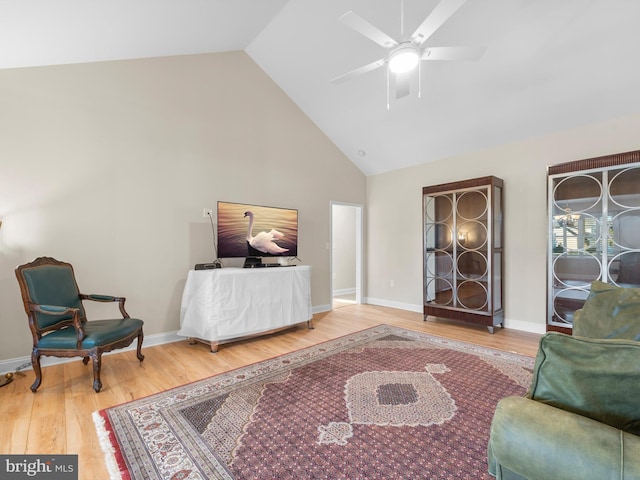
[359,227]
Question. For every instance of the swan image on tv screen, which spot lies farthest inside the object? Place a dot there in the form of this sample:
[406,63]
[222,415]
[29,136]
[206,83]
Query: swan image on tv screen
[248,231]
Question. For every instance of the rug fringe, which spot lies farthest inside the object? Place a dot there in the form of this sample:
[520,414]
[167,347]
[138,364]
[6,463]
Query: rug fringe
[107,447]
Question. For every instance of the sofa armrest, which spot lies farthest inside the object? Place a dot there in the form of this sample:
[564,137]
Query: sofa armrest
[536,441]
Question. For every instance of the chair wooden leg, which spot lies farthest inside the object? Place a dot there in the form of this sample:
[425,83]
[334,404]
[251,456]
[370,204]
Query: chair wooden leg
[139,349]
[97,364]
[35,362]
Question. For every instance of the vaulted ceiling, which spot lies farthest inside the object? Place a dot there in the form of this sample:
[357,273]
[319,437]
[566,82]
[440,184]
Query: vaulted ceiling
[549,64]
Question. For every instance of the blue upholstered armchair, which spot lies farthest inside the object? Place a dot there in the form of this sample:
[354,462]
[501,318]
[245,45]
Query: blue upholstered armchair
[58,323]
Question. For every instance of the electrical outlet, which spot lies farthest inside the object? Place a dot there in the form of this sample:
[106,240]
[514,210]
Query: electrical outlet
[392,283]
[207,212]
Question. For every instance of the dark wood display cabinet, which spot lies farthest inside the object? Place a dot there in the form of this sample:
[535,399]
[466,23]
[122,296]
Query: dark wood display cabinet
[594,231]
[463,251]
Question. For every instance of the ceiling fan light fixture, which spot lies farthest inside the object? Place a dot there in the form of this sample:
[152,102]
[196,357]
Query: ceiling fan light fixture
[404,58]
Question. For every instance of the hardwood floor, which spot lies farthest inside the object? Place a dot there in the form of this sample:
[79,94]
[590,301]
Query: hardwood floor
[57,419]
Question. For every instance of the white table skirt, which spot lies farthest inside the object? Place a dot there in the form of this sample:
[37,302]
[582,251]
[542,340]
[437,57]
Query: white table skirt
[222,304]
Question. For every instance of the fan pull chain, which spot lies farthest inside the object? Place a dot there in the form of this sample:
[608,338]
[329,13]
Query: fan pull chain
[388,87]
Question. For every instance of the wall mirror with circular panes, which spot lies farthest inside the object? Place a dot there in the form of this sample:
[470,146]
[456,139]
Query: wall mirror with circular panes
[594,231]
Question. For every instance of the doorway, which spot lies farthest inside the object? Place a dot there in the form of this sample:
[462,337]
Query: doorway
[346,254]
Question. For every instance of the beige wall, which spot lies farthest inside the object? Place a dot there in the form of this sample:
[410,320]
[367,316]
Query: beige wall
[109,165]
[394,208]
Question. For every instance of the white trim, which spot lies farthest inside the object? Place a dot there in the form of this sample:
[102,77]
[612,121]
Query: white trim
[321,309]
[401,306]
[540,328]
[343,291]
[508,323]
[359,246]
[12,364]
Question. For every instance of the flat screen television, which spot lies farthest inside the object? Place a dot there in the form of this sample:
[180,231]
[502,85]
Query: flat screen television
[254,231]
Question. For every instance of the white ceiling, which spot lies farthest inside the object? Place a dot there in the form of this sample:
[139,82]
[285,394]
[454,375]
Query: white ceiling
[549,64]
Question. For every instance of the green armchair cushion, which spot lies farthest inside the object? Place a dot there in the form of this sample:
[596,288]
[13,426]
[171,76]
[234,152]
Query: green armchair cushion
[53,285]
[532,440]
[98,333]
[609,312]
[599,379]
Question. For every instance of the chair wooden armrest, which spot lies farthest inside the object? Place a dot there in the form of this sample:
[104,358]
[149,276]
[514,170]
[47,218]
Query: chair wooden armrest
[107,298]
[58,310]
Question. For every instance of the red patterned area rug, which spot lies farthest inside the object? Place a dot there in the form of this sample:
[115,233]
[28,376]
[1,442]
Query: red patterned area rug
[384,403]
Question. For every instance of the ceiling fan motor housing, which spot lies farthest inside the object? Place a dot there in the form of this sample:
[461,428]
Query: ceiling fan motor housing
[404,57]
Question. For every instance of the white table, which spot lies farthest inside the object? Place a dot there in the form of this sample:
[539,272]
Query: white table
[224,304]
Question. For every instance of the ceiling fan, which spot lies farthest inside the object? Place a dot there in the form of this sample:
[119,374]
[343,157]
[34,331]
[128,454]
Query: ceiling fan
[405,55]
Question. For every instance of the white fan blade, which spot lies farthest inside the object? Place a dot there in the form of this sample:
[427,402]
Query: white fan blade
[363,27]
[359,71]
[453,53]
[403,84]
[436,18]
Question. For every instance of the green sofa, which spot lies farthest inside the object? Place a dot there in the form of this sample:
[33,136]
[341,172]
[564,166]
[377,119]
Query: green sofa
[580,418]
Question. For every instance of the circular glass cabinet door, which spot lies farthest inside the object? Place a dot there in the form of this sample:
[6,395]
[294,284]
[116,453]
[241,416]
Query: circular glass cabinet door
[576,242]
[472,236]
[439,243]
[623,241]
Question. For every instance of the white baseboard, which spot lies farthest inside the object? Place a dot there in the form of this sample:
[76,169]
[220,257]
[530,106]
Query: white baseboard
[343,291]
[508,323]
[13,364]
[539,328]
[321,309]
[399,305]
